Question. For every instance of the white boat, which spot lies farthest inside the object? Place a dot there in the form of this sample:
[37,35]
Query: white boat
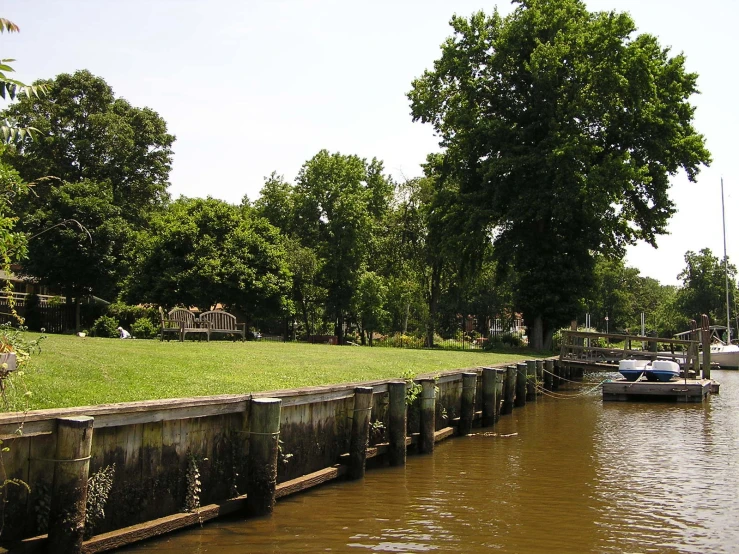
[725,355]
[663,371]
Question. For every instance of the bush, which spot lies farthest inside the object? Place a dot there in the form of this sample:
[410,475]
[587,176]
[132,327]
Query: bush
[498,341]
[143,328]
[105,326]
[127,315]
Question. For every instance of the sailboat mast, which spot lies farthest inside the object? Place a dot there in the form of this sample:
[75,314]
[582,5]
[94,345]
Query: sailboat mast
[726,267]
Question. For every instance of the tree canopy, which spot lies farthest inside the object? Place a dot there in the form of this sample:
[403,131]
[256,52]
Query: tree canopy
[200,252]
[561,128]
[704,286]
[85,132]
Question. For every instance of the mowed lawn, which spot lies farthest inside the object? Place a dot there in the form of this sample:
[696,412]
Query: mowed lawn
[74,371]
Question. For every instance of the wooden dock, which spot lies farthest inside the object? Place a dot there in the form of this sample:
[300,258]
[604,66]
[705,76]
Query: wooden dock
[696,390]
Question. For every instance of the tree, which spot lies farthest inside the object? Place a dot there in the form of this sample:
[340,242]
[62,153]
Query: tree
[78,239]
[12,186]
[704,286]
[369,304]
[276,203]
[338,200]
[85,132]
[203,252]
[561,128]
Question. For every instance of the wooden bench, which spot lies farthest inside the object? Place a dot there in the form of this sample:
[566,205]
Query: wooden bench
[169,327]
[219,321]
[184,321]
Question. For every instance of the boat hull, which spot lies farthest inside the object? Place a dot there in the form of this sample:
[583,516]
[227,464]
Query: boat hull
[725,360]
[663,371]
[631,374]
[661,376]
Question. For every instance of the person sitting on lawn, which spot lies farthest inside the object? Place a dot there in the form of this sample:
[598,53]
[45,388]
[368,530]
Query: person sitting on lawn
[123,333]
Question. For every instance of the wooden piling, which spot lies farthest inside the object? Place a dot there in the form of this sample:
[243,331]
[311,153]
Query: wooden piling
[69,488]
[531,380]
[509,390]
[360,432]
[398,422]
[548,374]
[427,416]
[521,385]
[264,435]
[706,339]
[539,376]
[500,375]
[557,378]
[469,386]
[488,396]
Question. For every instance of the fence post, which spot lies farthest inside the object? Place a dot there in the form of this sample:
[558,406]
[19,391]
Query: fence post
[427,416]
[69,488]
[264,436]
[469,386]
[398,423]
[488,396]
[360,432]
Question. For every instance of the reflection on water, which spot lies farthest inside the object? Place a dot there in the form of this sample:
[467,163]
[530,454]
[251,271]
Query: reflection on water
[575,475]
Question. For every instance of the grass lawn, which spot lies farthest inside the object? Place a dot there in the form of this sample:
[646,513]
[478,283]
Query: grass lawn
[74,371]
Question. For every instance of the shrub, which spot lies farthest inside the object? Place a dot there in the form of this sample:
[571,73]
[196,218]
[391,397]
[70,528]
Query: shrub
[143,328]
[127,315]
[105,326]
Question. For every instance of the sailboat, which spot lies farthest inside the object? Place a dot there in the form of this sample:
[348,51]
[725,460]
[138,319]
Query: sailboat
[724,353]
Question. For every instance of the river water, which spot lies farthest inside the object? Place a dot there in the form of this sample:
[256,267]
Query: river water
[564,474]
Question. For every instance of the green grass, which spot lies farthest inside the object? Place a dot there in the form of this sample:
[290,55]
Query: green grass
[74,371]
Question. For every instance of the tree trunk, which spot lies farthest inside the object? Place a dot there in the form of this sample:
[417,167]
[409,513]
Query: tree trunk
[370,333]
[433,301]
[405,317]
[77,314]
[548,335]
[340,328]
[536,335]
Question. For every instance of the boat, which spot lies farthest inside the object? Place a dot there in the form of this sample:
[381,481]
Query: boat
[662,370]
[723,354]
[632,370]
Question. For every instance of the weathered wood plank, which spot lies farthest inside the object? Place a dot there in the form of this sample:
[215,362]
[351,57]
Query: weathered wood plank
[311,480]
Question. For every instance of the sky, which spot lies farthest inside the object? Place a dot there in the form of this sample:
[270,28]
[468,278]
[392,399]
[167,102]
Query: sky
[251,87]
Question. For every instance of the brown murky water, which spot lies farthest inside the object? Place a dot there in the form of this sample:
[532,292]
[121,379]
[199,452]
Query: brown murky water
[576,475]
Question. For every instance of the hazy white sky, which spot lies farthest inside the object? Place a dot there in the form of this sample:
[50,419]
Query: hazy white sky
[254,86]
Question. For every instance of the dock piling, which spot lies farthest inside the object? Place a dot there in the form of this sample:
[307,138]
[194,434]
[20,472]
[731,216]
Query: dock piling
[264,436]
[69,485]
[398,423]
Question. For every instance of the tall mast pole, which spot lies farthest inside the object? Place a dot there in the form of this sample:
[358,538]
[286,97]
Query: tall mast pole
[726,267]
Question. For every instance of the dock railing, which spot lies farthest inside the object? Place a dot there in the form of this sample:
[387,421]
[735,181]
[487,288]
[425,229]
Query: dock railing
[586,347]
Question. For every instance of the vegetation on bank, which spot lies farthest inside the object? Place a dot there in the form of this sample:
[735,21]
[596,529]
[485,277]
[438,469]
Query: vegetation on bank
[75,371]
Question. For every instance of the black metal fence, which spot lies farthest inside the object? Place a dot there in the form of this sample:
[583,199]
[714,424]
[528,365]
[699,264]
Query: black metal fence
[52,317]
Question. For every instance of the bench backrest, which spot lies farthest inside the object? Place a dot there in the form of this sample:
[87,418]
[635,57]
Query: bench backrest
[184,317]
[219,319]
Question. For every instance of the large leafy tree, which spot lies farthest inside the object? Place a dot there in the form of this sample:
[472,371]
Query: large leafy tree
[78,239]
[200,252]
[338,201]
[85,132]
[560,128]
[704,286]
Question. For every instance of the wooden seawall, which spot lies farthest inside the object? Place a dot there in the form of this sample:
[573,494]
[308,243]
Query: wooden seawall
[180,462]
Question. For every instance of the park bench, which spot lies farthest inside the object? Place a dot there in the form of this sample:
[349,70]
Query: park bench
[221,322]
[182,322]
